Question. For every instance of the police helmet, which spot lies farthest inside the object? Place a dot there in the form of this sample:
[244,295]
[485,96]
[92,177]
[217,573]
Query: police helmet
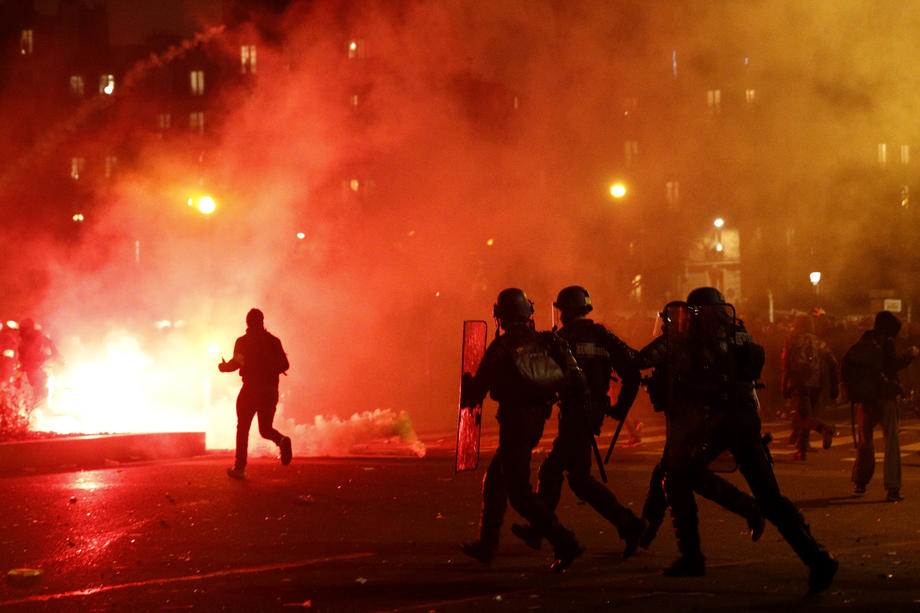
[513,305]
[705,296]
[574,300]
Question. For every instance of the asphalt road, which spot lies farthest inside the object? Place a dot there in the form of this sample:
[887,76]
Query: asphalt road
[380,533]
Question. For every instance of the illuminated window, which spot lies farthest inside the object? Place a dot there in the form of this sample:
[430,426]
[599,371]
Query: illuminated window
[905,154]
[357,49]
[248,59]
[196,82]
[107,84]
[672,193]
[882,154]
[714,101]
[26,42]
[164,121]
[750,96]
[76,86]
[110,162]
[77,165]
[631,151]
[356,188]
[196,122]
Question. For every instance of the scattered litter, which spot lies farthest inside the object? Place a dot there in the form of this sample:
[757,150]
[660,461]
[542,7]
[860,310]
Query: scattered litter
[361,580]
[498,598]
[367,468]
[170,498]
[439,516]
[892,553]
[24,577]
[73,500]
[163,523]
[306,604]
[304,499]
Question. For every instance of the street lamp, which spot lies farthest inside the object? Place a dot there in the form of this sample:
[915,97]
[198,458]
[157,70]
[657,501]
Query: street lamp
[206,205]
[815,278]
[618,190]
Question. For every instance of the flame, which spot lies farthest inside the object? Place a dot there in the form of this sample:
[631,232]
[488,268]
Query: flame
[121,387]
[118,389]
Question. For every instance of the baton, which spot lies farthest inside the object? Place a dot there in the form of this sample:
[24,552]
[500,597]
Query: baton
[853,423]
[616,435]
[597,456]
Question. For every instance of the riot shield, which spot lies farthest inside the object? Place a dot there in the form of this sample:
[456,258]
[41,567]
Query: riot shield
[470,422]
[688,329]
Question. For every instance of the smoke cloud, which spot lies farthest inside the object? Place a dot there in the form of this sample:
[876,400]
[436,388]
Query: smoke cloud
[464,148]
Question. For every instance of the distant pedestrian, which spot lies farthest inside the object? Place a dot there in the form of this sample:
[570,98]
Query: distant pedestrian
[35,349]
[808,367]
[259,357]
[870,374]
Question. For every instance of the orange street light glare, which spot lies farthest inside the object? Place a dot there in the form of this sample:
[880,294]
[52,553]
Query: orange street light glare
[206,205]
[617,190]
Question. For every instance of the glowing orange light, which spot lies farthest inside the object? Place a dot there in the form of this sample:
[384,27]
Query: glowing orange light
[301,235]
[490,242]
[617,190]
[207,205]
[78,217]
[719,222]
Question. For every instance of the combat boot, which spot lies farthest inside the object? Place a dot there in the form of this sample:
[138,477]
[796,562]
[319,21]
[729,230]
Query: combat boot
[527,533]
[634,536]
[565,556]
[686,566]
[756,524]
[479,550]
[827,437]
[821,572]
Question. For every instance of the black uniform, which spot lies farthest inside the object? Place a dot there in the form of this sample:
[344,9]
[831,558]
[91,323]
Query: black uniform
[522,413]
[685,434]
[597,351]
[714,409]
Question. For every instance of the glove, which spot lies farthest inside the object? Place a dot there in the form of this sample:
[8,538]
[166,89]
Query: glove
[466,391]
[617,412]
[224,366]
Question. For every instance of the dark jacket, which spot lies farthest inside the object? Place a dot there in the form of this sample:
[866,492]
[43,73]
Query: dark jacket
[259,357]
[499,377]
[892,361]
[599,351]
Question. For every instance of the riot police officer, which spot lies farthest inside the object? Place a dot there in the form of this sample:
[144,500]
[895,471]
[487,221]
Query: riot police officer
[712,365]
[523,370]
[598,352]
